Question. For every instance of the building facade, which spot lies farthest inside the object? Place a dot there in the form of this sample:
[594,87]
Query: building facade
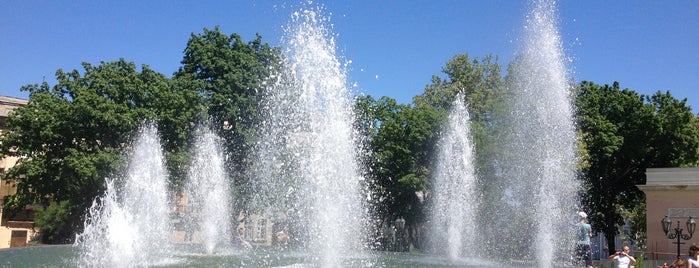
[672,192]
[17,231]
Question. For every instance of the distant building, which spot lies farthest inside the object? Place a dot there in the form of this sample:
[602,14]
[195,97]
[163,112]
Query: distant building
[672,192]
[259,228]
[17,231]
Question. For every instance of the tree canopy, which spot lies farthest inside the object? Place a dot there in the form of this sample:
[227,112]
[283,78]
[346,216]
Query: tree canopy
[229,74]
[624,134]
[72,135]
[402,137]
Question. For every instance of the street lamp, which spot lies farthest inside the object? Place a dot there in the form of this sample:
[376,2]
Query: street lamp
[691,226]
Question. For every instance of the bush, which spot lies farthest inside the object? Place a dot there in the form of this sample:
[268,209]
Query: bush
[54,223]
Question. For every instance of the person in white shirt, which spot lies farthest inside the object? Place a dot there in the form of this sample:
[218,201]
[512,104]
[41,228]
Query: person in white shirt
[693,259]
[622,259]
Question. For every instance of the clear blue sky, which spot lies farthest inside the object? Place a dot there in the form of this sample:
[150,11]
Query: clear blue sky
[395,46]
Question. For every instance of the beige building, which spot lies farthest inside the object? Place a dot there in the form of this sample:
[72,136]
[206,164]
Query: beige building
[258,228]
[15,232]
[672,192]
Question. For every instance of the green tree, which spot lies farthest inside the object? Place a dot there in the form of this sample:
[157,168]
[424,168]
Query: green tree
[479,80]
[625,133]
[54,227]
[73,135]
[402,137]
[229,74]
[481,83]
[401,151]
[675,131]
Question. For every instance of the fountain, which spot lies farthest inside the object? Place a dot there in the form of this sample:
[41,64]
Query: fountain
[130,225]
[308,148]
[455,200]
[531,222]
[540,169]
[543,135]
[307,171]
[207,193]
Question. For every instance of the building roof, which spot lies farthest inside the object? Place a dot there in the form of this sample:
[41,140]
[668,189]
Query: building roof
[672,176]
[7,104]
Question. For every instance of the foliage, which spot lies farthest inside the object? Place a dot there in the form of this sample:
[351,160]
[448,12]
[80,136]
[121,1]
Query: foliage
[73,135]
[402,136]
[674,132]
[400,157]
[636,217]
[480,82]
[229,74]
[55,222]
[640,259]
[624,136]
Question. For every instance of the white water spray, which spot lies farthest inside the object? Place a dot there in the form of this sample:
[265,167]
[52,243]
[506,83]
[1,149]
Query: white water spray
[131,227]
[208,193]
[455,197]
[307,154]
[543,134]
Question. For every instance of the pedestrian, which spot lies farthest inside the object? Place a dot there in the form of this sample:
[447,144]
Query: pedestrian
[240,238]
[693,258]
[283,237]
[622,259]
[583,252]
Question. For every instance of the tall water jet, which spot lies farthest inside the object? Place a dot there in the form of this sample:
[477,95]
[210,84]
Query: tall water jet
[308,152]
[130,225]
[455,199]
[541,164]
[208,193]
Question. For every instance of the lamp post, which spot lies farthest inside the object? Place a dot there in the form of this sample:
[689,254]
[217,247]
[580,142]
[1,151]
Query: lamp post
[691,225]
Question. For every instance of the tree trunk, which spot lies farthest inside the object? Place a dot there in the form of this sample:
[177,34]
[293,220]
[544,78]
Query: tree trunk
[610,235]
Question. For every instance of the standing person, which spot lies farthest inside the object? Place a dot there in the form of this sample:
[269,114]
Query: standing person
[583,252]
[622,259]
[693,258]
[240,238]
[283,237]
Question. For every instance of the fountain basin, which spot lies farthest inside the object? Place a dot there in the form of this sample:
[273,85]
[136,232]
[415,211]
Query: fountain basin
[192,255]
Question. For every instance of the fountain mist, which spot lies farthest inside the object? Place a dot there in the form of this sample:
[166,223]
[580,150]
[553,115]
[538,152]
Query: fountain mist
[541,164]
[307,166]
[455,199]
[208,193]
[537,186]
[131,227]
[307,152]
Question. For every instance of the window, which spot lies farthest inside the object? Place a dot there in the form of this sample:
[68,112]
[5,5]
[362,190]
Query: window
[260,230]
